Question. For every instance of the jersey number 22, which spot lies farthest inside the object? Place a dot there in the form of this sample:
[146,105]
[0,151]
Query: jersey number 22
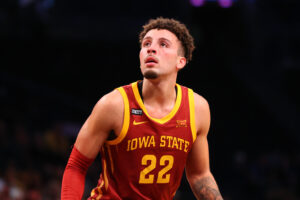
[145,175]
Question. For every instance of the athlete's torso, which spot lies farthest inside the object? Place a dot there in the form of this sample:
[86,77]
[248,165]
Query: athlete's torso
[147,159]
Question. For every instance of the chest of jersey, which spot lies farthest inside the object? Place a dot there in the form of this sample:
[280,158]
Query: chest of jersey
[149,155]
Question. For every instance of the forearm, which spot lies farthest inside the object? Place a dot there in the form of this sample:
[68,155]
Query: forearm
[72,185]
[74,176]
[206,188]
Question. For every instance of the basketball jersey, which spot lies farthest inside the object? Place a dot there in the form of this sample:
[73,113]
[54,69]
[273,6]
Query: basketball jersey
[147,159]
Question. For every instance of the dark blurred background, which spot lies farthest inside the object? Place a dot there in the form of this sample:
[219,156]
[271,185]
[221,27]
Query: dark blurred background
[59,57]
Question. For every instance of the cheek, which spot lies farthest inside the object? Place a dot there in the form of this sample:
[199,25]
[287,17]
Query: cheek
[141,55]
[170,57]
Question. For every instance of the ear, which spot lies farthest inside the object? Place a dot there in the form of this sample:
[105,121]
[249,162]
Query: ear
[181,62]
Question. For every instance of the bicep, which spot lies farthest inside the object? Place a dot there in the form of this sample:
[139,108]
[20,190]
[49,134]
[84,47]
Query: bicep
[90,138]
[99,124]
[197,164]
[198,159]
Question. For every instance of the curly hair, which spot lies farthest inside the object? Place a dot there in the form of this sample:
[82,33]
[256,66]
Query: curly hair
[174,26]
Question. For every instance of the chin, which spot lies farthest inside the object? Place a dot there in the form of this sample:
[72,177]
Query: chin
[150,74]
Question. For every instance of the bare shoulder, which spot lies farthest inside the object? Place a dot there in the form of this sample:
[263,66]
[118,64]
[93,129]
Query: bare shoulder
[110,109]
[105,117]
[111,101]
[201,103]
[202,114]
[106,114]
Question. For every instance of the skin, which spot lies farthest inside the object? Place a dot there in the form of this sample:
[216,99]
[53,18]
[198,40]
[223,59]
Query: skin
[198,172]
[159,94]
[159,98]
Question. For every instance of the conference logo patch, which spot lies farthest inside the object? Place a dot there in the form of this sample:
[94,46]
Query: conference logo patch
[136,111]
[181,123]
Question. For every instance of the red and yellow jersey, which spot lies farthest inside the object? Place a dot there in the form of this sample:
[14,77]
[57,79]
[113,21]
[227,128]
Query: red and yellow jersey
[147,159]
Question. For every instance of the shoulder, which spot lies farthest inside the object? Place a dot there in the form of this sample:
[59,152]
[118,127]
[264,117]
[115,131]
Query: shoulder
[105,117]
[114,99]
[202,114]
[201,103]
[109,109]
[111,101]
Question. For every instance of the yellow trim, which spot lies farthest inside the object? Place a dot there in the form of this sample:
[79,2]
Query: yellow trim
[100,191]
[98,188]
[105,175]
[93,192]
[99,197]
[126,119]
[173,195]
[168,116]
[192,113]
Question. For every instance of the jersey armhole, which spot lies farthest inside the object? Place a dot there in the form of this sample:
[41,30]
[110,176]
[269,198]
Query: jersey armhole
[192,113]
[126,119]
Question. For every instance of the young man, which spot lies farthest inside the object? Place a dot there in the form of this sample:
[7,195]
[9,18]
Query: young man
[149,131]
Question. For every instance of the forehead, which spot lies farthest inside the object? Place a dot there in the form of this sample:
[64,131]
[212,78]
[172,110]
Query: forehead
[161,33]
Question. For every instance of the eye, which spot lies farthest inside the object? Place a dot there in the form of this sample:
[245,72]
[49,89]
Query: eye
[146,44]
[163,44]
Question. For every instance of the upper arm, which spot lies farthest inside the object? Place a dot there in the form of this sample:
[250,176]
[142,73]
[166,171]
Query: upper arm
[197,164]
[107,115]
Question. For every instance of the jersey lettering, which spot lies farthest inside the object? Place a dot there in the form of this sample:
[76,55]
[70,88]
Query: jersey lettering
[171,142]
[166,161]
[140,142]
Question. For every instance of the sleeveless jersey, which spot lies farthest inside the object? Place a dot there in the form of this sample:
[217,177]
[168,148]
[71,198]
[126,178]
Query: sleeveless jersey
[147,159]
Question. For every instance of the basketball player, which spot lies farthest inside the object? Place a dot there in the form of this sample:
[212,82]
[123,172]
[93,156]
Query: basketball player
[149,131]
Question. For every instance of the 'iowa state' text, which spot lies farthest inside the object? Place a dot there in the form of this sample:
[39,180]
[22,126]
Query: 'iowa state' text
[165,141]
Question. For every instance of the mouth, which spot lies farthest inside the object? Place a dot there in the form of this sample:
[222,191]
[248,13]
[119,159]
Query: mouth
[151,60]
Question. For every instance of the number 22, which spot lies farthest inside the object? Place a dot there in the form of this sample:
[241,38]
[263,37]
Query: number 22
[162,162]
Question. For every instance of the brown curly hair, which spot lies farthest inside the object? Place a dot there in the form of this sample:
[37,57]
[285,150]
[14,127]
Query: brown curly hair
[174,26]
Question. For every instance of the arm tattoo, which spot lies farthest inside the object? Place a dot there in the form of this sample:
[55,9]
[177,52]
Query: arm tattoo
[206,189]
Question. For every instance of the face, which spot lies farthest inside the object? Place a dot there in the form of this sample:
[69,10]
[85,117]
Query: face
[160,54]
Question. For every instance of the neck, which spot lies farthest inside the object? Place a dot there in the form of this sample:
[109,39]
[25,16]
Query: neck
[159,94]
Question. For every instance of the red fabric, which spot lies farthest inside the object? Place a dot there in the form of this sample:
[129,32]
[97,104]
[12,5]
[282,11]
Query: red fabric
[123,160]
[74,176]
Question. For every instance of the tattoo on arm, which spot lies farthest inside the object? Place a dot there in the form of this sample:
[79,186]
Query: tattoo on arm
[206,189]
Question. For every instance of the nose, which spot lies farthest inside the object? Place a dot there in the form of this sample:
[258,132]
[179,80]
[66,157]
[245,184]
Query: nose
[151,50]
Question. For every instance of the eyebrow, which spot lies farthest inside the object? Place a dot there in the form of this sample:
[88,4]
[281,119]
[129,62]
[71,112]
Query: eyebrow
[162,38]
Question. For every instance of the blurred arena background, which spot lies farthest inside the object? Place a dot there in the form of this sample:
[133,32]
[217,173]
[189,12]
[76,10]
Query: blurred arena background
[59,57]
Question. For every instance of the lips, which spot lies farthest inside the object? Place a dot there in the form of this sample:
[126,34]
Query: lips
[151,59]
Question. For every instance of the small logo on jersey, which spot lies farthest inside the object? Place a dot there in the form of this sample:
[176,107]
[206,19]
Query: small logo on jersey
[136,111]
[181,123]
[139,123]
